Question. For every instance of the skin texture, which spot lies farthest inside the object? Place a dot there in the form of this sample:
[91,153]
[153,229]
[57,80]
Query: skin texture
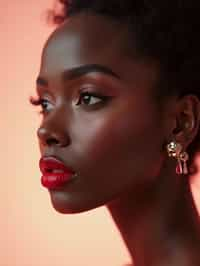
[117,146]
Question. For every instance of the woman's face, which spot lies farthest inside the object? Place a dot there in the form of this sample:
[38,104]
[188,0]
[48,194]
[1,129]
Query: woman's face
[100,117]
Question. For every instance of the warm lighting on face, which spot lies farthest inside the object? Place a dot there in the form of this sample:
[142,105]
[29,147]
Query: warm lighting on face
[32,233]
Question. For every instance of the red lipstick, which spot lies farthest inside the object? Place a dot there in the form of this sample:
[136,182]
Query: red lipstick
[54,172]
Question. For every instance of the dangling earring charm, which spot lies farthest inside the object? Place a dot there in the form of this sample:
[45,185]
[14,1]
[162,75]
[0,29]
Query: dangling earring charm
[184,158]
[175,150]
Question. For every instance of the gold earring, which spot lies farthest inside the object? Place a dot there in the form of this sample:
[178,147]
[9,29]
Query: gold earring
[175,149]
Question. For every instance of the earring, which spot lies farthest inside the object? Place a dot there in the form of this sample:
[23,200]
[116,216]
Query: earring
[175,150]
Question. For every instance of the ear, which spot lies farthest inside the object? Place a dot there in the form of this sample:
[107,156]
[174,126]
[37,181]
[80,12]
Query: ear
[187,119]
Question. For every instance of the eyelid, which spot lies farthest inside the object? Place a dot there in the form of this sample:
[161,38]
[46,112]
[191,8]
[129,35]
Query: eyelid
[35,100]
[94,89]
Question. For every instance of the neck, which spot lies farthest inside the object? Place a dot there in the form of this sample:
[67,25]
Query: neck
[159,226]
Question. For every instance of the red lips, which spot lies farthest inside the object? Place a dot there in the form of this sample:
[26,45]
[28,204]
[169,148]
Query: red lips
[54,172]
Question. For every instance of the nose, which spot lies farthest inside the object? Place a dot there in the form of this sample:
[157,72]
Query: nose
[53,135]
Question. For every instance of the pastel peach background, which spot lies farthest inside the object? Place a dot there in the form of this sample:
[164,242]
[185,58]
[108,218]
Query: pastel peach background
[32,233]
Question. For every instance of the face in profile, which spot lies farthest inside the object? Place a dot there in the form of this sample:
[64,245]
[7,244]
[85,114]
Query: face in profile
[99,114]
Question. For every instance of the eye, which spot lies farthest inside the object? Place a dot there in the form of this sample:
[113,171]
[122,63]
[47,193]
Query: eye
[46,106]
[88,99]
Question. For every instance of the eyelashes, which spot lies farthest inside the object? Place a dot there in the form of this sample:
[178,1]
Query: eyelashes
[90,98]
[87,100]
[35,101]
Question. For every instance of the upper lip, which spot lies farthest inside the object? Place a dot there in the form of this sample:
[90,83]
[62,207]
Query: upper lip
[49,163]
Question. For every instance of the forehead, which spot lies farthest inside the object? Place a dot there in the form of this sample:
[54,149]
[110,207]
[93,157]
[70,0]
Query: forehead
[85,39]
[90,39]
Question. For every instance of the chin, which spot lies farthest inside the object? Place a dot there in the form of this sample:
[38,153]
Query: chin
[64,210]
[64,205]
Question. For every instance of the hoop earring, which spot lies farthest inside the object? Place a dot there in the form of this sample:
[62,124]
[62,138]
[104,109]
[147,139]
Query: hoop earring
[175,150]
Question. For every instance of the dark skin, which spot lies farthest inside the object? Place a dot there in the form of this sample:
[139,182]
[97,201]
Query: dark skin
[116,143]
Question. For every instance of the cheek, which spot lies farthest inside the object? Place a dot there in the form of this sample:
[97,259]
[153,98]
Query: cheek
[130,140]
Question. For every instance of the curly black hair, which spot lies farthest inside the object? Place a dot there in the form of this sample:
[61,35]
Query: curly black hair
[167,31]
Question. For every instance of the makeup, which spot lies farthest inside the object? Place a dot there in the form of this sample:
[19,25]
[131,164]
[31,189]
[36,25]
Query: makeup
[54,173]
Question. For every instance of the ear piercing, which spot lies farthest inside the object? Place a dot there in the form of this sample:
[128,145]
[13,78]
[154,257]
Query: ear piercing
[175,150]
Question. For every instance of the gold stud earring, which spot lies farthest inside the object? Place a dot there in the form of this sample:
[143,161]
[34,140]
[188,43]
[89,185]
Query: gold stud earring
[175,149]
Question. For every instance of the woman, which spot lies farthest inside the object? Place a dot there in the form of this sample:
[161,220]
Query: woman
[119,88]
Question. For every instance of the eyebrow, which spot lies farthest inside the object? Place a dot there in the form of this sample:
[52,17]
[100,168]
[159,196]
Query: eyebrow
[77,72]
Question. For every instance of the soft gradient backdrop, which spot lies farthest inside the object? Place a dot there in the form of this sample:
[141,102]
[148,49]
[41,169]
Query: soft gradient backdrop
[32,233]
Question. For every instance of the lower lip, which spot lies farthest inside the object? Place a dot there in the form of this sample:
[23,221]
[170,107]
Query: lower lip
[55,180]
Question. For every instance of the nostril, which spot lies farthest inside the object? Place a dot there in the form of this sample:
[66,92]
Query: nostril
[52,141]
[52,137]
